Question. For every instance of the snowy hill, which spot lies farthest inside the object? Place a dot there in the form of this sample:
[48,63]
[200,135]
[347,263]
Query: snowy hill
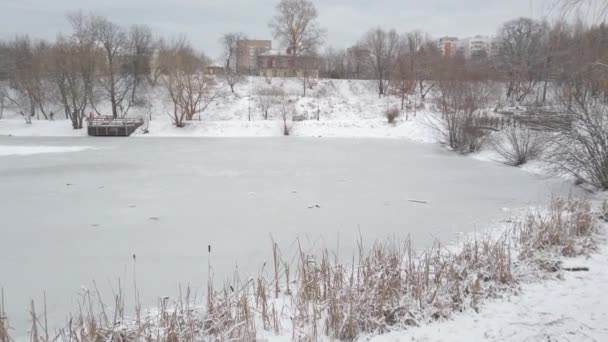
[347,108]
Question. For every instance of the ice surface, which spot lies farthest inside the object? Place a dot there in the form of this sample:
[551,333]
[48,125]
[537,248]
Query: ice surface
[71,218]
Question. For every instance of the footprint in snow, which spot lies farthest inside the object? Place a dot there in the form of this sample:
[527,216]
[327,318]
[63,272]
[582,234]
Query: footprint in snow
[154,218]
[316,206]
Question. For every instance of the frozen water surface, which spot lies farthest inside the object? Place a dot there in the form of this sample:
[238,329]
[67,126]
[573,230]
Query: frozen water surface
[68,219]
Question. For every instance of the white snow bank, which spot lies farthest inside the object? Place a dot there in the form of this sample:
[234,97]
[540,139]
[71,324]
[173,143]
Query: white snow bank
[365,128]
[14,150]
[39,128]
[574,309]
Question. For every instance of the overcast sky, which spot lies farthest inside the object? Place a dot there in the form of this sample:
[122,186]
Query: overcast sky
[204,21]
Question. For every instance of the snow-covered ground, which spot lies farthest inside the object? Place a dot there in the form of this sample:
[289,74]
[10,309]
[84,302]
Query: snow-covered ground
[572,309]
[348,109]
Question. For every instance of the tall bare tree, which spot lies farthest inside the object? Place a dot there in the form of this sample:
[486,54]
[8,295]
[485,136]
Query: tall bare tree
[116,84]
[404,76]
[28,77]
[231,45]
[384,48]
[334,63]
[141,49]
[73,63]
[295,26]
[190,90]
[520,56]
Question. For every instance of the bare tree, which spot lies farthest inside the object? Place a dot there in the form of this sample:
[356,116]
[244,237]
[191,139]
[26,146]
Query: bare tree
[28,77]
[190,90]
[308,66]
[520,56]
[286,112]
[459,101]
[141,47]
[384,48]
[321,92]
[116,84]
[231,45]
[424,56]
[404,76]
[334,63]
[73,63]
[296,27]
[598,8]
[266,98]
[157,63]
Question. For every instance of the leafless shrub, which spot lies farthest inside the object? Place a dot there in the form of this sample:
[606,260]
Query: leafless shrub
[392,115]
[286,111]
[266,98]
[459,103]
[518,145]
[581,149]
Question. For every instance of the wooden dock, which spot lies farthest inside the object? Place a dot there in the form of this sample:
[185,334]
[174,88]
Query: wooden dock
[103,126]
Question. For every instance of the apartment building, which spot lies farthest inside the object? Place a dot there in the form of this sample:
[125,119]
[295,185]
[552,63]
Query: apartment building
[248,52]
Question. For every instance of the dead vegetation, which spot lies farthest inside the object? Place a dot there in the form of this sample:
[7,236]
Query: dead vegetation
[519,145]
[391,285]
[392,115]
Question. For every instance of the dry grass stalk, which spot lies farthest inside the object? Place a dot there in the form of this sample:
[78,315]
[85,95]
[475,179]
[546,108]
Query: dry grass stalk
[4,326]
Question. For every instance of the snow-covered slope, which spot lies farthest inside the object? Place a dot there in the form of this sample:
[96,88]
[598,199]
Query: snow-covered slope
[348,108]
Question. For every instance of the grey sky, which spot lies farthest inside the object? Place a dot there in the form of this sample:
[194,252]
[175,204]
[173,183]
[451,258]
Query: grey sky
[203,21]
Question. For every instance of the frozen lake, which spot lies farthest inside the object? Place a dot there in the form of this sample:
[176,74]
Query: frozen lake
[67,219]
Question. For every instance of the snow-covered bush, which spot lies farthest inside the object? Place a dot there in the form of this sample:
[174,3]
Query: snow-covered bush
[518,145]
[565,229]
[581,148]
[392,115]
[266,98]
